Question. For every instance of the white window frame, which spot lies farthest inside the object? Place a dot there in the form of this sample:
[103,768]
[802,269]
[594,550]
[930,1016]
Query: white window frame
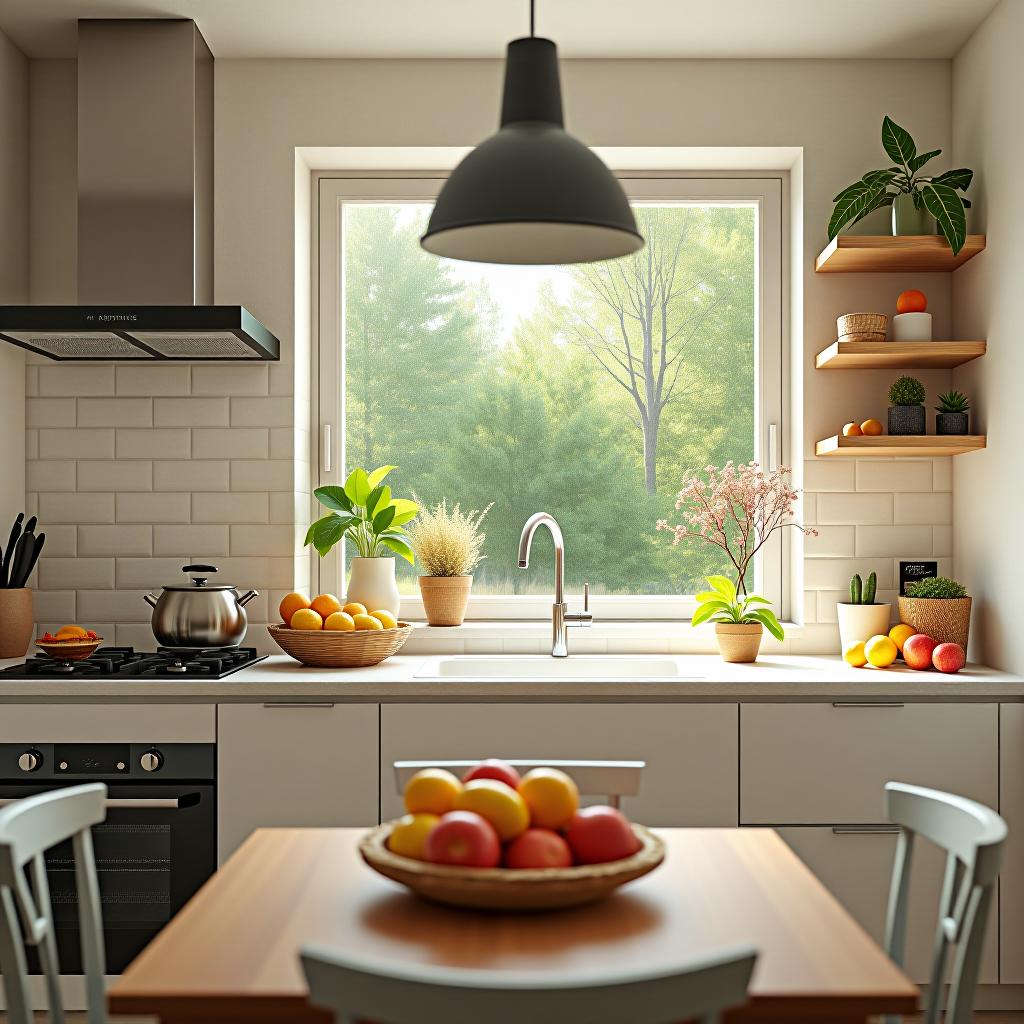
[767,190]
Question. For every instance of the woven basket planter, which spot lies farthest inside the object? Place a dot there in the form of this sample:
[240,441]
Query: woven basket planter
[739,643]
[862,326]
[332,648]
[947,620]
[445,599]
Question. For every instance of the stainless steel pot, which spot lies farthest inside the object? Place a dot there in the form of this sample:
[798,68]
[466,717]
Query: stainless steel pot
[199,614]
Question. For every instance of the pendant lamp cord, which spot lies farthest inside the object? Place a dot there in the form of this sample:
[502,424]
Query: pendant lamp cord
[532,17]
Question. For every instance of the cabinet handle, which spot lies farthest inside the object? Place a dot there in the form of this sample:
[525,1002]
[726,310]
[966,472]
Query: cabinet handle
[297,705]
[865,830]
[867,704]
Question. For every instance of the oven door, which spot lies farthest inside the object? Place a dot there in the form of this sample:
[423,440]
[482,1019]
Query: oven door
[154,850]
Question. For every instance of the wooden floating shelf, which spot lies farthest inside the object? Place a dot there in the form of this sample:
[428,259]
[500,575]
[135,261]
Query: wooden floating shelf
[906,446]
[888,355]
[871,254]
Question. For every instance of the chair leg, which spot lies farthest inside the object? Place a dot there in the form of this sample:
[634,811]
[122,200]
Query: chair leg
[48,942]
[12,962]
[90,927]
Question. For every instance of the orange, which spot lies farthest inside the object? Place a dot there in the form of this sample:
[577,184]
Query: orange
[290,604]
[911,301]
[326,604]
[900,634]
[387,620]
[871,428]
[355,608]
[432,791]
[71,633]
[367,622]
[551,796]
[340,621]
[852,430]
[497,803]
[409,836]
[306,618]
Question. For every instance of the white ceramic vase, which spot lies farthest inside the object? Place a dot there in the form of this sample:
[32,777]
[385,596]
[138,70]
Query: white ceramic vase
[371,582]
[862,622]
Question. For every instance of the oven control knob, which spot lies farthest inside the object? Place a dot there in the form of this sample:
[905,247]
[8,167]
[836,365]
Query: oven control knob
[30,761]
[151,761]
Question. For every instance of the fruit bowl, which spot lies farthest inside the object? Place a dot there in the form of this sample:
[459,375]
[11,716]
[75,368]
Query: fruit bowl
[505,888]
[336,649]
[69,650]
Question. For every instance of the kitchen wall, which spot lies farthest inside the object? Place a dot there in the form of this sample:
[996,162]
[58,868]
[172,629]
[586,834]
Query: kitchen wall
[13,271]
[988,82]
[206,450]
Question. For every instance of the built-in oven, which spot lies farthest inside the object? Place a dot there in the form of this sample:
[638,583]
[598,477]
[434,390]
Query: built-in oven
[155,848]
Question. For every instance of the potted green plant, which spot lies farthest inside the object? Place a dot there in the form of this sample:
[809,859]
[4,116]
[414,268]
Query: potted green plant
[737,509]
[939,607]
[364,513]
[915,198]
[862,617]
[952,413]
[449,546]
[906,406]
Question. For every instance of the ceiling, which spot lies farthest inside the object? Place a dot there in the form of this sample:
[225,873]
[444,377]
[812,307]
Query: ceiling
[480,28]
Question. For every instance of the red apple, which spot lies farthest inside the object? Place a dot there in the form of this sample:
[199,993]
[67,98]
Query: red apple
[917,651]
[949,658]
[599,834]
[465,839]
[538,848]
[493,768]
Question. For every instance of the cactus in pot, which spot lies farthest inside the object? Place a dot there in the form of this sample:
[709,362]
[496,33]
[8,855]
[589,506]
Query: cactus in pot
[862,617]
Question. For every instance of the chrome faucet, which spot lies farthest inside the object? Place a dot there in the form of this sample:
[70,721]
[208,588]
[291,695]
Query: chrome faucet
[561,619]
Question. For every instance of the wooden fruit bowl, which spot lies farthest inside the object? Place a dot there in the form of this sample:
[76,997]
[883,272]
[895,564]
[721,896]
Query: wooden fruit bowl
[69,650]
[507,889]
[329,648]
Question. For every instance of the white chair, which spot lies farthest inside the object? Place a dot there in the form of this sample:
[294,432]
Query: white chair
[973,837]
[28,828]
[609,779]
[357,989]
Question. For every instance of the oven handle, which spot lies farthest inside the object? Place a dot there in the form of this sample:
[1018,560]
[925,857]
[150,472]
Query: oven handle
[124,803]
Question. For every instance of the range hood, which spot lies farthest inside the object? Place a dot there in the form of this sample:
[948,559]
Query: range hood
[145,208]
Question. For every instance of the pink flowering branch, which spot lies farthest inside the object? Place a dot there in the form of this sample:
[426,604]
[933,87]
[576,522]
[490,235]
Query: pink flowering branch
[737,509]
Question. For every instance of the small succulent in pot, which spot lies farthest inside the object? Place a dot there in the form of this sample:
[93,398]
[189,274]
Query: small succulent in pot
[906,401]
[952,414]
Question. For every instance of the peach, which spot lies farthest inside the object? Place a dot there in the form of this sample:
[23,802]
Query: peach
[917,651]
[949,658]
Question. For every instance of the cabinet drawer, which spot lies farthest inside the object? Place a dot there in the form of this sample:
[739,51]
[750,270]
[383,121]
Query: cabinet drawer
[108,723]
[690,749]
[1011,878]
[857,867]
[824,764]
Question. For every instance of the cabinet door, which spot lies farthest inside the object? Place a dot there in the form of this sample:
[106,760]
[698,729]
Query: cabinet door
[857,867]
[1011,878]
[690,749]
[295,765]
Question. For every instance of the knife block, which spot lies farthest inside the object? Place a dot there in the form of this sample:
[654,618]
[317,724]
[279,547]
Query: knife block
[16,621]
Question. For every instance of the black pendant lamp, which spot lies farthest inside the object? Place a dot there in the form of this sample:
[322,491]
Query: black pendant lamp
[532,194]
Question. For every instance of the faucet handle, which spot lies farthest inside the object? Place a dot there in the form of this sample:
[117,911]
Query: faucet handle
[586,597]
[583,618]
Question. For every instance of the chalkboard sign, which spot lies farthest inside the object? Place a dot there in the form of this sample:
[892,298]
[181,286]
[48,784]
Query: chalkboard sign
[912,571]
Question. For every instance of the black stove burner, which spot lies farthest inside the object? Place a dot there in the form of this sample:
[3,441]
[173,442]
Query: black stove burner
[126,662]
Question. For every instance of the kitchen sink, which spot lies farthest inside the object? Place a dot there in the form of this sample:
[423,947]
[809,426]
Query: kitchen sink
[530,667]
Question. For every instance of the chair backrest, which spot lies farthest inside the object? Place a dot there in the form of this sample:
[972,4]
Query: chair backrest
[28,828]
[972,836]
[609,779]
[358,988]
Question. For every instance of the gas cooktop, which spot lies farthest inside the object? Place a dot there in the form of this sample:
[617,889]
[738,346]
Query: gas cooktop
[126,663]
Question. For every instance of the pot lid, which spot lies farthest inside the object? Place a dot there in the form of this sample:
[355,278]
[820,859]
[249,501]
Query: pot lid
[200,579]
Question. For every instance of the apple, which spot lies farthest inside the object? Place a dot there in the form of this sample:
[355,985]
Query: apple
[538,848]
[599,834]
[464,839]
[493,768]
[917,651]
[949,658]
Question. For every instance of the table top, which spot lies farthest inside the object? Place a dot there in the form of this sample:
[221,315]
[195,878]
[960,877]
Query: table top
[231,953]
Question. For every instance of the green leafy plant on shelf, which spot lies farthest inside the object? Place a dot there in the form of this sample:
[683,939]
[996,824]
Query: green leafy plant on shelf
[861,592]
[906,391]
[724,604]
[938,194]
[364,513]
[937,588]
[953,402]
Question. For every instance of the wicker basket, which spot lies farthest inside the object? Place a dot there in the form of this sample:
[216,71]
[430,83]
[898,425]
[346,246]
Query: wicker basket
[329,648]
[505,888]
[862,326]
[947,620]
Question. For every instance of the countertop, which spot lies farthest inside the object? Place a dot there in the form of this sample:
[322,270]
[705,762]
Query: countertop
[704,678]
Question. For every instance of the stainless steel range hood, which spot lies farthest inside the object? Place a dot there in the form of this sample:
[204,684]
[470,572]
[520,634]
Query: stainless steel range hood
[145,208]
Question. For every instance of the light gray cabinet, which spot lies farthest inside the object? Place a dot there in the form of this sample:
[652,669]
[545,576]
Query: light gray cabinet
[283,764]
[690,749]
[1011,878]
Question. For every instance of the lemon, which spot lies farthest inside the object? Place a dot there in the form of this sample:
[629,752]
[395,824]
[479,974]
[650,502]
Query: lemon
[306,618]
[386,619]
[409,836]
[367,622]
[853,654]
[354,608]
[881,651]
[432,791]
[900,634]
[340,621]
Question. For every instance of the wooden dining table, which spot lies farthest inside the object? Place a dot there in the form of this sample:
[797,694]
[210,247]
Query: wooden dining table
[231,954]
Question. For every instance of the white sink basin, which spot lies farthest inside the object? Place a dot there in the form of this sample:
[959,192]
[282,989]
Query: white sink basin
[531,666]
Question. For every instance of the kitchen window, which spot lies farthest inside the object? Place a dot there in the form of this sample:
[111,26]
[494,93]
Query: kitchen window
[581,391]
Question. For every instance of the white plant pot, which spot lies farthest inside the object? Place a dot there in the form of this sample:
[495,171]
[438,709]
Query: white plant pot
[372,583]
[862,622]
[912,327]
